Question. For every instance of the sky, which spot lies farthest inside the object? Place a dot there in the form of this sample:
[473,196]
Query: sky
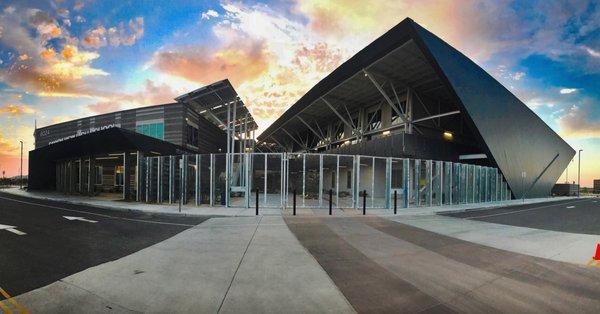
[62,60]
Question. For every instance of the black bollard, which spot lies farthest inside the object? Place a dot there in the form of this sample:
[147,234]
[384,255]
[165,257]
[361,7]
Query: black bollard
[364,202]
[330,202]
[395,202]
[257,189]
[294,208]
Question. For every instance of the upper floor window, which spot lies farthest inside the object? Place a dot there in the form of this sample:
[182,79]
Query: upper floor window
[192,135]
[156,130]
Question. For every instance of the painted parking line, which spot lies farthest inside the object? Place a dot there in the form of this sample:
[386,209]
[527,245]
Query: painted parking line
[522,210]
[570,206]
[97,214]
[4,308]
[14,302]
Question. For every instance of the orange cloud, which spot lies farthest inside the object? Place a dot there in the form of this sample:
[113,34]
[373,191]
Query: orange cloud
[150,94]
[239,62]
[16,110]
[577,122]
[7,147]
[48,54]
[121,34]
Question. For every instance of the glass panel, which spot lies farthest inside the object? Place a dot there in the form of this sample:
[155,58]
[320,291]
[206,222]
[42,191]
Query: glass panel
[436,184]
[447,189]
[257,178]
[237,194]
[365,180]
[311,180]
[219,185]
[329,179]
[456,183]
[346,182]
[274,188]
[380,191]
[469,183]
[295,176]
[397,173]
[415,178]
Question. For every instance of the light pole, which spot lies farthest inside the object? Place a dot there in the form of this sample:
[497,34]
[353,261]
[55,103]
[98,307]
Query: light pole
[21,169]
[579,173]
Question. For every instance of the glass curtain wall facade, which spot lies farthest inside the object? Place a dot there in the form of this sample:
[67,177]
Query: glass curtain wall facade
[236,180]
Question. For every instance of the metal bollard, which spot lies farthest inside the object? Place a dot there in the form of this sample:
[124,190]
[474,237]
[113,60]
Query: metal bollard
[330,202]
[364,202]
[395,202]
[294,208]
[257,190]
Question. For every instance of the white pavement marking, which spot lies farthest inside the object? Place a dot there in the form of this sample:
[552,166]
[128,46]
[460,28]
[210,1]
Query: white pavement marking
[520,211]
[96,214]
[79,218]
[12,229]
[570,206]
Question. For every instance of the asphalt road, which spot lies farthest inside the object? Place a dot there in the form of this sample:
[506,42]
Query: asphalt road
[575,215]
[53,247]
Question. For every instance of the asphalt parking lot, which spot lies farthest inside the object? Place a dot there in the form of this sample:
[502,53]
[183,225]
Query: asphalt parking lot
[574,216]
[45,241]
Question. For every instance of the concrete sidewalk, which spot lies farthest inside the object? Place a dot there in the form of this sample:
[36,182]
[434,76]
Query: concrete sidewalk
[250,264]
[559,246]
[192,210]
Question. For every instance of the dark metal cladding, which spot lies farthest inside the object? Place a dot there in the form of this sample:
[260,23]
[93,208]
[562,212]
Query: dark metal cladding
[512,136]
[517,140]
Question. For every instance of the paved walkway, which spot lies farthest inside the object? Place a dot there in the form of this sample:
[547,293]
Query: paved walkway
[267,211]
[385,266]
[252,265]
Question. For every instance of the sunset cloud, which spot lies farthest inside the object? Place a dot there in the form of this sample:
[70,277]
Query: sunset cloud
[7,147]
[579,121]
[16,110]
[122,34]
[239,62]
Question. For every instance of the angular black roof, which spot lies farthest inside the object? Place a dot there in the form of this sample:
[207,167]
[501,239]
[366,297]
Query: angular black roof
[513,137]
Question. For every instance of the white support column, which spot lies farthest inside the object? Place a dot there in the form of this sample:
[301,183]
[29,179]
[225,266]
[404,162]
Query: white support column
[388,183]
[212,180]
[171,179]
[147,179]
[357,181]
[159,178]
[197,188]
[373,182]
[248,168]
[303,179]
[228,153]
[337,182]
[266,175]
[80,185]
[320,180]
[406,181]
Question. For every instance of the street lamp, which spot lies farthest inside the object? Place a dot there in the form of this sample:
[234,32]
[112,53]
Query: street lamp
[21,170]
[579,173]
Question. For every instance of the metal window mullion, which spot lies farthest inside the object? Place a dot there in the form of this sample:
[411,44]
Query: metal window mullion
[337,182]
[212,180]
[320,180]
[147,177]
[303,179]
[265,187]
[406,181]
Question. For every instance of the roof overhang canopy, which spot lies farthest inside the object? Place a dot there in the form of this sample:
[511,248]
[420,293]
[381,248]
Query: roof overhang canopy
[513,137]
[212,102]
